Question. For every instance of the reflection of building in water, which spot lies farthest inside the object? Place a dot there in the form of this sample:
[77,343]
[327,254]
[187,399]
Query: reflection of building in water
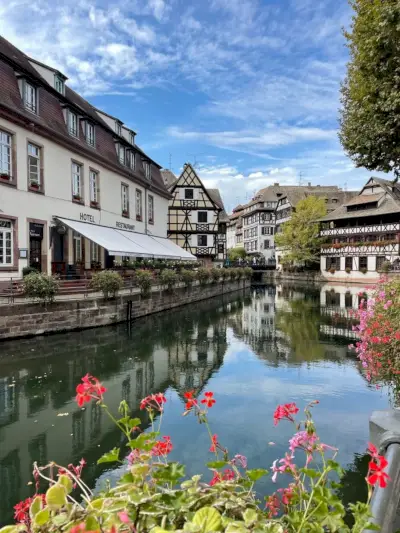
[259,315]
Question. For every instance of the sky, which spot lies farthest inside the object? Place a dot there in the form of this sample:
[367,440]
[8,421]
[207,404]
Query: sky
[246,90]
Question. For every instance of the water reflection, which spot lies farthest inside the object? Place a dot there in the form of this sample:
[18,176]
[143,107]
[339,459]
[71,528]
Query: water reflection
[273,344]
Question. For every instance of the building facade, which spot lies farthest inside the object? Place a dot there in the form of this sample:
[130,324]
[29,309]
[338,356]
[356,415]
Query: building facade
[196,217]
[234,229]
[363,234]
[76,191]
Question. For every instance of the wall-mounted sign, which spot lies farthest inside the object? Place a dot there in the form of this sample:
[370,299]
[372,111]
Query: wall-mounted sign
[35,230]
[86,218]
[23,253]
[123,225]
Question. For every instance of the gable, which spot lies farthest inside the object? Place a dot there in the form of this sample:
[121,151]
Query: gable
[190,180]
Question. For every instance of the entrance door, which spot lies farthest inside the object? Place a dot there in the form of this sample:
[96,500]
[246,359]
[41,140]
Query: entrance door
[35,254]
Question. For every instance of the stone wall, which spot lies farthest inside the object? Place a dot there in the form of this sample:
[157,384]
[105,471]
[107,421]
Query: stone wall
[29,319]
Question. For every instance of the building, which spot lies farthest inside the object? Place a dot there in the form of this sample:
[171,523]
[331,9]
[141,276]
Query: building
[234,228]
[291,196]
[196,216]
[363,234]
[76,191]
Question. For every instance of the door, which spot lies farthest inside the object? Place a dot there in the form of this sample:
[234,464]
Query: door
[35,254]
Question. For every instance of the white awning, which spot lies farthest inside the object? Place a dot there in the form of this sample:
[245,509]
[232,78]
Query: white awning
[128,243]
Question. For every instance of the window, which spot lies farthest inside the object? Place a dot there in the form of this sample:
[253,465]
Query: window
[132,138]
[188,194]
[5,155]
[202,216]
[348,263]
[30,97]
[6,243]
[147,170]
[90,133]
[131,159]
[94,188]
[77,181]
[138,204]
[33,165]
[94,252]
[77,247]
[220,248]
[363,263]
[266,245]
[348,300]
[333,262]
[121,154]
[72,123]
[380,259]
[151,209]
[125,199]
[118,127]
[201,240]
[59,84]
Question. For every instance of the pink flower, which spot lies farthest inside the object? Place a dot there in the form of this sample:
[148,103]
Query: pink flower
[240,460]
[123,516]
[373,450]
[303,440]
[285,411]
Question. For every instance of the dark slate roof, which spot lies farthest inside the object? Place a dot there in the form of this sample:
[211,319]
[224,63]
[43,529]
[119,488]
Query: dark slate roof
[168,177]
[50,121]
[216,198]
[365,199]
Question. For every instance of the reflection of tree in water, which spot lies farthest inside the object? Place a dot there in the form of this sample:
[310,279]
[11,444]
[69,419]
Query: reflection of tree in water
[353,487]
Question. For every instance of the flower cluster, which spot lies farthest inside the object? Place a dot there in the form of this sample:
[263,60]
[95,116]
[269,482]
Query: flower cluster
[163,447]
[89,389]
[192,402]
[21,510]
[227,475]
[285,411]
[376,468]
[154,402]
[72,469]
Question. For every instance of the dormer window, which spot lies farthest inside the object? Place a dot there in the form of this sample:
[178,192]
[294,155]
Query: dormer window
[131,159]
[132,137]
[30,97]
[59,84]
[118,127]
[121,154]
[147,170]
[72,122]
[89,133]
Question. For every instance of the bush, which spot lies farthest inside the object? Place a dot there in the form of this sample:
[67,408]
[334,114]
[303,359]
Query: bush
[348,270]
[108,282]
[168,278]
[239,273]
[145,281]
[215,274]
[363,270]
[386,266]
[332,270]
[203,275]
[248,272]
[188,277]
[40,287]
[233,273]
[29,270]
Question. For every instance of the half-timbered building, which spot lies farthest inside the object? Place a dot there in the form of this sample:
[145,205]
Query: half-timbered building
[196,216]
[363,234]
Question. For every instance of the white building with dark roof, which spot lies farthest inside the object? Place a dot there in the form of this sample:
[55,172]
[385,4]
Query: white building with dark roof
[363,234]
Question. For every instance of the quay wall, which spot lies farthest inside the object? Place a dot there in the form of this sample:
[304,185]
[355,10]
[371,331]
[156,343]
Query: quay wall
[26,319]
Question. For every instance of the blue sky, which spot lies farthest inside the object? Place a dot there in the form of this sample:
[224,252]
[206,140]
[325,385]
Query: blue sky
[246,89]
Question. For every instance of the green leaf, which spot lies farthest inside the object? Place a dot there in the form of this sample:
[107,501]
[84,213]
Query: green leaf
[250,516]
[9,529]
[98,503]
[56,497]
[42,517]
[92,524]
[256,474]
[126,478]
[35,507]
[169,473]
[60,519]
[109,457]
[158,530]
[66,482]
[309,472]
[133,422]
[208,519]
[217,464]
[236,527]
[140,470]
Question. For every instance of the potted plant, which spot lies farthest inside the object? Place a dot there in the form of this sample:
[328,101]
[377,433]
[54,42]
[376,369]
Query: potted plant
[34,185]
[348,270]
[125,213]
[364,270]
[138,218]
[93,203]
[332,270]
[77,197]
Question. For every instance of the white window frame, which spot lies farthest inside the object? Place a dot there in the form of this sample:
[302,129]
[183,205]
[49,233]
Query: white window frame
[77,238]
[72,122]
[30,97]
[132,138]
[198,241]
[6,236]
[121,154]
[90,134]
[94,187]
[60,82]
[150,207]
[139,204]
[125,198]
[132,159]
[6,153]
[34,159]
[147,170]
[77,179]
[118,128]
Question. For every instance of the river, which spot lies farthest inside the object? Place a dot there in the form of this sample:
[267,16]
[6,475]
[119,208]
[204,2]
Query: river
[272,345]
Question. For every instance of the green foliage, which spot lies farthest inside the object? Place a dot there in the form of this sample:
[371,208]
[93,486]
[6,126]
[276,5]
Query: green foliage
[236,253]
[29,270]
[386,266]
[145,281]
[40,287]
[239,273]
[248,272]
[300,235]
[188,277]
[215,274]
[203,275]
[107,282]
[369,125]
[233,273]
[169,279]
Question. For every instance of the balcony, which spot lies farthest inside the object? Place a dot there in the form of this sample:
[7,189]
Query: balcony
[203,227]
[362,248]
[362,230]
[204,251]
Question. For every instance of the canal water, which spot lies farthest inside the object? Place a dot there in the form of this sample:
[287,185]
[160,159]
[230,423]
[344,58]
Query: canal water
[254,350]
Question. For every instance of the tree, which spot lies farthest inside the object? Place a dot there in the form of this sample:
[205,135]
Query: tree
[236,253]
[369,122]
[300,235]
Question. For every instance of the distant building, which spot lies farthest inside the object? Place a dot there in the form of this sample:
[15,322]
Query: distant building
[363,233]
[234,229]
[196,216]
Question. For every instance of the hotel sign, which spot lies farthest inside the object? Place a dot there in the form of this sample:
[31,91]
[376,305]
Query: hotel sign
[84,217]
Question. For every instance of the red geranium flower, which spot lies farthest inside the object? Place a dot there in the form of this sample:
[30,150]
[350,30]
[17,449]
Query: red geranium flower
[214,441]
[163,447]
[373,450]
[376,472]
[191,402]
[285,411]
[209,399]
[90,388]
[154,401]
